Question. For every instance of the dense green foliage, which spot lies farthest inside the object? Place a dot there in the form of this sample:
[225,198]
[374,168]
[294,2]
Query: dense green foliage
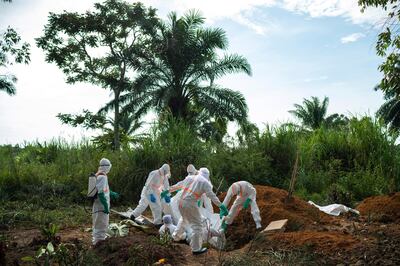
[150,65]
[387,47]
[179,76]
[102,47]
[335,165]
[11,51]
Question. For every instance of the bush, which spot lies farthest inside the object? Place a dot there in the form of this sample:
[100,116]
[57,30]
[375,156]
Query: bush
[336,165]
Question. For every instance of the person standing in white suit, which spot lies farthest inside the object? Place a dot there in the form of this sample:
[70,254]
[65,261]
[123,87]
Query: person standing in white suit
[188,206]
[101,204]
[178,187]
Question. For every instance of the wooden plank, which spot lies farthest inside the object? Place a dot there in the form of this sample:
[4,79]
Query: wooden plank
[276,226]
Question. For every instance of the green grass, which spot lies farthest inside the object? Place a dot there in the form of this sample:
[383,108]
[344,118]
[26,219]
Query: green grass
[336,165]
[29,213]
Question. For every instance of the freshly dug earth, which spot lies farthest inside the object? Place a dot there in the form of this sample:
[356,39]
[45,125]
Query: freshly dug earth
[311,238]
[138,249]
[327,240]
[271,202]
[385,208]
[322,242]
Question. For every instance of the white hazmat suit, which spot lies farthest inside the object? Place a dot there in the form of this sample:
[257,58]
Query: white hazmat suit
[100,215]
[188,206]
[244,192]
[191,170]
[156,182]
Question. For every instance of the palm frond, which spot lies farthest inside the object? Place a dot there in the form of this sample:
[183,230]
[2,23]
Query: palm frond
[212,38]
[221,102]
[231,64]
[193,18]
[7,84]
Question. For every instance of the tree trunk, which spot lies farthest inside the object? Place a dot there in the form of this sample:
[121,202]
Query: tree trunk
[116,120]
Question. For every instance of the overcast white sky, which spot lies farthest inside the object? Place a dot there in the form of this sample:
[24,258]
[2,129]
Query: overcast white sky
[297,49]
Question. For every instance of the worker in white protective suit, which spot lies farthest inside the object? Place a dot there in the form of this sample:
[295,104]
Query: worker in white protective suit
[204,202]
[180,232]
[155,194]
[101,204]
[178,187]
[168,227]
[246,196]
[188,206]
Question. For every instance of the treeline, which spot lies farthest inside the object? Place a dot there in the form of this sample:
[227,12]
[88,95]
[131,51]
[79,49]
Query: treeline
[341,165]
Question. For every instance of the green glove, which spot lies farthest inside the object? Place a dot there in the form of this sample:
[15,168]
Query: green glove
[164,193]
[224,226]
[103,201]
[199,203]
[223,211]
[246,203]
[114,195]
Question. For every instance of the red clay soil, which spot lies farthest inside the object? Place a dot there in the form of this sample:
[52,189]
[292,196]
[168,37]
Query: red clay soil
[385,208]
[322,242]
[271,202]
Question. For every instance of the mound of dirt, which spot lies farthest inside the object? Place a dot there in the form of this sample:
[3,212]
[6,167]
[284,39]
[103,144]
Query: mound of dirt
[138,248]
[323,242]
[271,201]
[385,208]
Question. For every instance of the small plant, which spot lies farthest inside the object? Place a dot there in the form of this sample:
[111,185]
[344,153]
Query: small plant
[50,231]
[46,253]
[164,240]
[66,254]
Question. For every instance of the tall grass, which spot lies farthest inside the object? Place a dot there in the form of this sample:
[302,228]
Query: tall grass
[341,165]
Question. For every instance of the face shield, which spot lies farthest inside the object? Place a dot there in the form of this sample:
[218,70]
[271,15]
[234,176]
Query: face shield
[165,170]
[105,165]
[191,170]
[205,173]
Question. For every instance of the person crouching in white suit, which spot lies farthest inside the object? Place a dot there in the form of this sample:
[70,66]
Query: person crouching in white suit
[155,194]
[246,196]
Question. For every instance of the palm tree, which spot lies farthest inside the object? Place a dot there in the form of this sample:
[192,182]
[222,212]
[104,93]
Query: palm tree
[128,125]
[178,78]
[312,113]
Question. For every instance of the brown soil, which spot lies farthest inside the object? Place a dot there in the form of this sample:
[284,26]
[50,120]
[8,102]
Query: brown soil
[385,208]
[271,202]
[324,242]
[24,242]
[139,247]
[324,239]
[330,240]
